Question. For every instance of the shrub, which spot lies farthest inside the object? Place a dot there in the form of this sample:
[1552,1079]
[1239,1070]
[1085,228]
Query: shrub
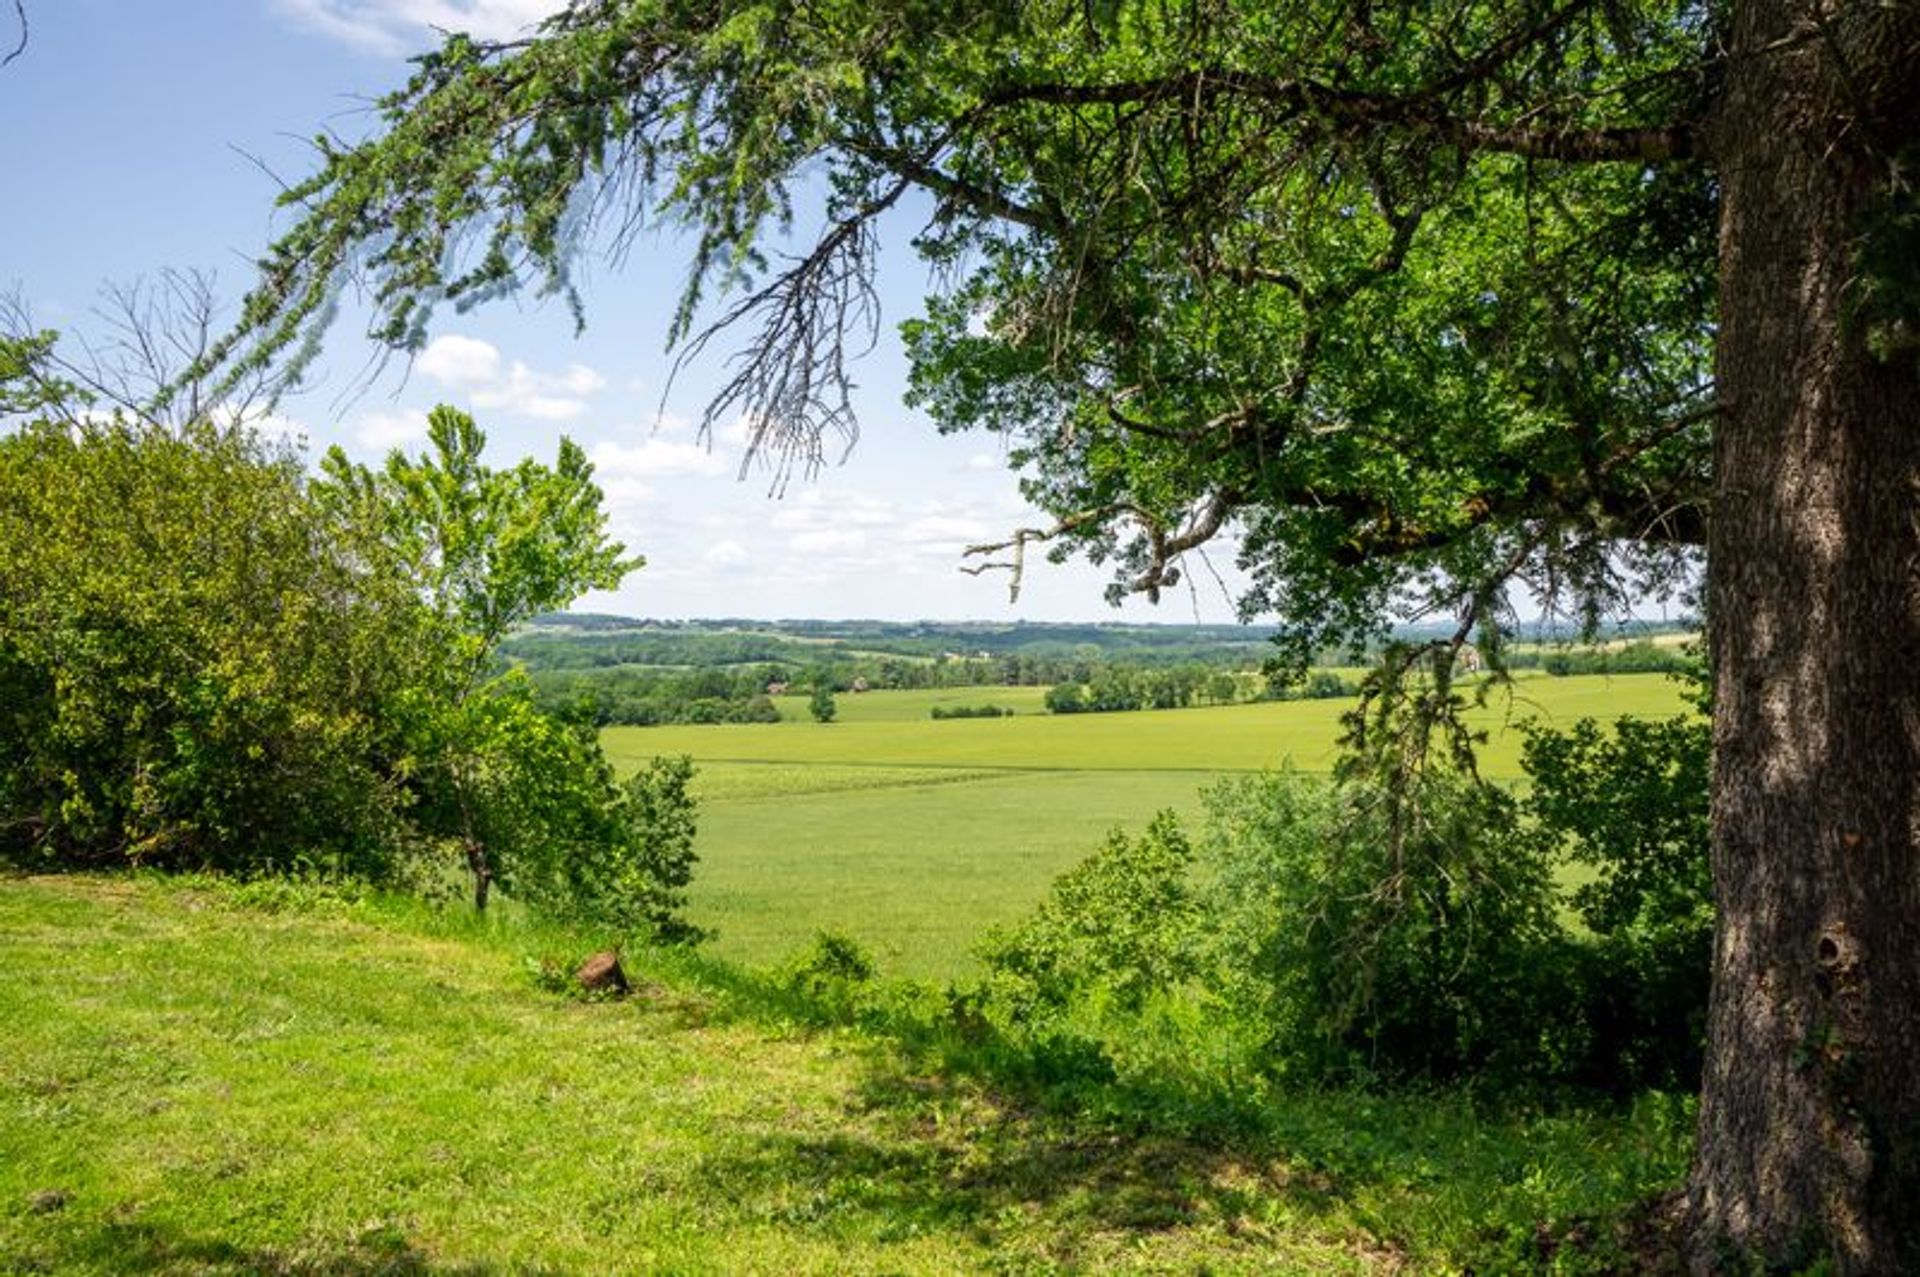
[1393,934]
[1113,929]
[1632,804]
[832,976]
[192,668]
[1321,685]
[1065,698]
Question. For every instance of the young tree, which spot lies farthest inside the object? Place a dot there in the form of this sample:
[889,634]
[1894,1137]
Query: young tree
[1421,297]
[820,703]
[484,550]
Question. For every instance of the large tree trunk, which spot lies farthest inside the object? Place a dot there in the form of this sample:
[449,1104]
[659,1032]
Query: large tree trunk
[1810,1118]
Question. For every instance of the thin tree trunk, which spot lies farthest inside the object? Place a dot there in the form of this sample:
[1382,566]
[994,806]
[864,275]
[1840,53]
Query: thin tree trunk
[477,862]
[1810,1117]
[482,874]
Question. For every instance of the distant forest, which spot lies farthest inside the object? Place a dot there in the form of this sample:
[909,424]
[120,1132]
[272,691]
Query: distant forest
[643,672]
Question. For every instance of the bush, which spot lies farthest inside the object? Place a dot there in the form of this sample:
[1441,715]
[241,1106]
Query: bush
[1335,930]
[970,711]
[1632,804]
[833,976]
[1065,698]
[192,671]
[1113,929]
[1375,933]
[1322,685]
[211,659]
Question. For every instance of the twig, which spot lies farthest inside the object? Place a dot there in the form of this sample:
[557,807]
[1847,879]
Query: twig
[20,11]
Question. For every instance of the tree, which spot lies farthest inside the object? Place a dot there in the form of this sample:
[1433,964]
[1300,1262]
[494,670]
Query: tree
[1420,298]
[484,550]
[820,703]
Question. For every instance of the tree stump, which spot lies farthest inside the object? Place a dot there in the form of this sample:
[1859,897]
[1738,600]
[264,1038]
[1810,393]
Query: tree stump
[602,973]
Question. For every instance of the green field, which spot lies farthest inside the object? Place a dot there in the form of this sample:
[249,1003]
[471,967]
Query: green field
[915,835]
[915,705]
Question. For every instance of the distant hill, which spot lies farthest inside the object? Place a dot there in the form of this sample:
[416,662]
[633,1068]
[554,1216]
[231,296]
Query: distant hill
[587,640]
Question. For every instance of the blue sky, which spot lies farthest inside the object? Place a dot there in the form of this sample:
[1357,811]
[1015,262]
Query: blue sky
[142,135]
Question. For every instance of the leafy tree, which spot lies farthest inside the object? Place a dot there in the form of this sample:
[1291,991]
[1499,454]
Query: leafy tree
[1419,297]
[528,798]
[820,703]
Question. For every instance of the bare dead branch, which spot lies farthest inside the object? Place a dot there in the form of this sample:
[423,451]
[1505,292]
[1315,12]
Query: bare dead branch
[153,335]
[1164,547]
[791,381]
[20,11]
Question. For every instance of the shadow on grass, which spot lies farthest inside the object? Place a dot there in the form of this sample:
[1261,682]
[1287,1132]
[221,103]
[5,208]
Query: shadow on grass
[1002,1127]
[146,1247]
[1023,1192]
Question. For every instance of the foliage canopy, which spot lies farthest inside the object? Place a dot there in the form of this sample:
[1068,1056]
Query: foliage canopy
[1322,270]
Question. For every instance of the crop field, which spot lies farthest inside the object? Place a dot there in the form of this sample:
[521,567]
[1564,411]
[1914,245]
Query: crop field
[916,705]
[915,836]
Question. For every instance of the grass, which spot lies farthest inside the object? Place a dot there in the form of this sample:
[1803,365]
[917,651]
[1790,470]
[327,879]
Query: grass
[915,873]
[914,836]
[1225,738]
[913,705]
[192,1083]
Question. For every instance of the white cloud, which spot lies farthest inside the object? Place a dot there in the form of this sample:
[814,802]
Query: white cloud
[656,458]
[464,362]
[403,26]
[382,430]
[985,461]
[727,555]
[270,426]
[472,366]
[622,493]
[945,530]
[559,396]
[815,511]
[838,541]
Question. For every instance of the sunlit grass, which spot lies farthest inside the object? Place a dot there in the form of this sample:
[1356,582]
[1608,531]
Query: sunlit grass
[191,1085]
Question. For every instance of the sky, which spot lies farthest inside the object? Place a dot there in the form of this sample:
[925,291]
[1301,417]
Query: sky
[141,136]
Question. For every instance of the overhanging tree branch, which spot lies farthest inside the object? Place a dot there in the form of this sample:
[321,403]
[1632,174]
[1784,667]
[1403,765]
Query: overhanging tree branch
[1353,109]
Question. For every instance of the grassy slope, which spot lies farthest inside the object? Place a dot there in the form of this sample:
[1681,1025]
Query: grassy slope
[915,835]
[191,1085]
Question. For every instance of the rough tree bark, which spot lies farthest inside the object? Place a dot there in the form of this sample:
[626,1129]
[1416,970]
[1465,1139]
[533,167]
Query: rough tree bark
[1810,1118]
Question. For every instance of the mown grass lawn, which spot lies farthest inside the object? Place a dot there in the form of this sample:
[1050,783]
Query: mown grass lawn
[190,1083]
[914,836]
